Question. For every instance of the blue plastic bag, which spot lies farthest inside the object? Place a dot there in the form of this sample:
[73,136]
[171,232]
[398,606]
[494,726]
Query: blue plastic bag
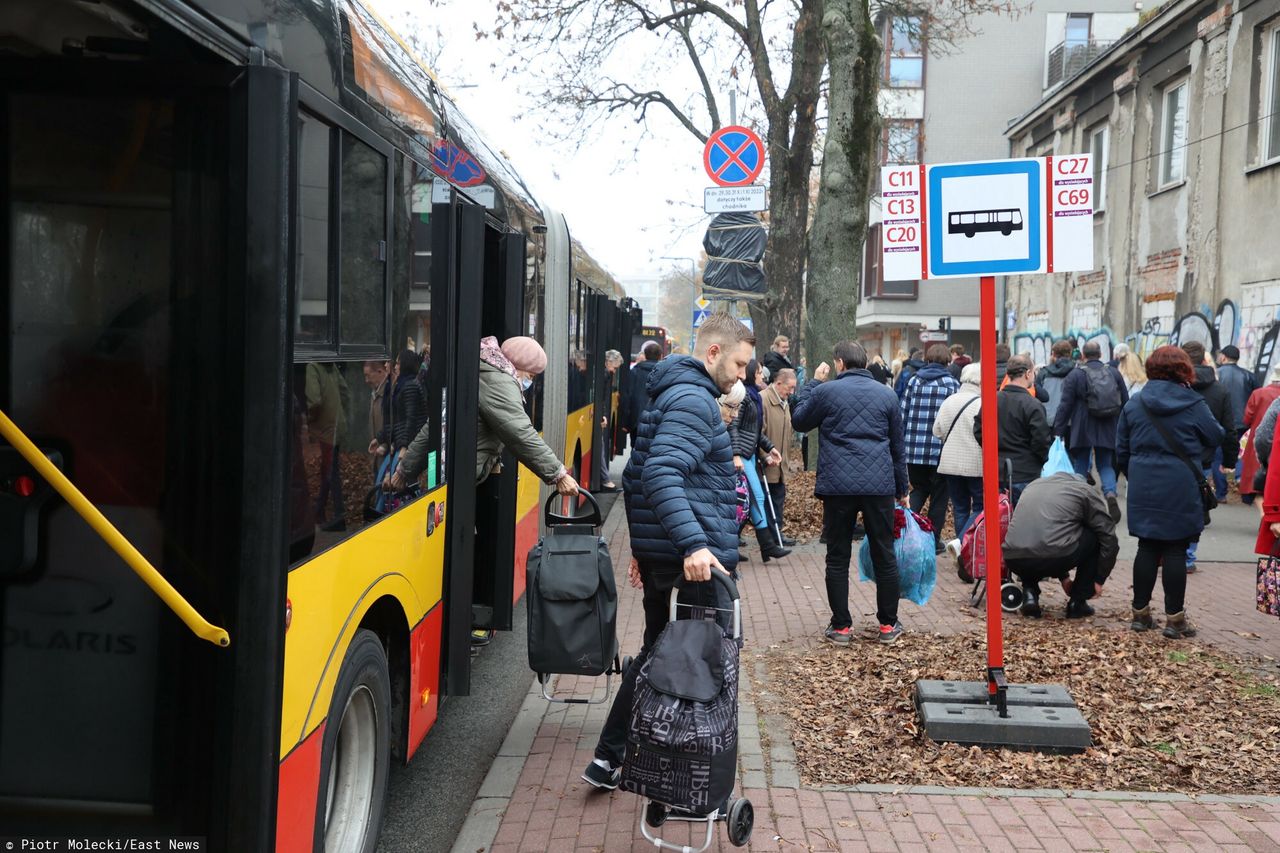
[917,559]
[1059,460]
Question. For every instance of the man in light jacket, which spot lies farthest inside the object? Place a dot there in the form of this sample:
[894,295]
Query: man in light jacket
[1061,524]
[777,426]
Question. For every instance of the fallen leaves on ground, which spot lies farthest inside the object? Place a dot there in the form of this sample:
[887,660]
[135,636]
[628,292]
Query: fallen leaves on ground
[802,515]
[1165,717]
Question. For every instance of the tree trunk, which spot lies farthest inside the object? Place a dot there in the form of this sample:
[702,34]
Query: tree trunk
[848,155]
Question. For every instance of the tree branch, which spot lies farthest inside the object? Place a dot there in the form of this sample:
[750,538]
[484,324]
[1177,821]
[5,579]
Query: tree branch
[712,108]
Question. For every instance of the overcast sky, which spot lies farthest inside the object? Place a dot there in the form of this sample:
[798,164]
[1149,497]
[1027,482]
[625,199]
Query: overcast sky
[620,205]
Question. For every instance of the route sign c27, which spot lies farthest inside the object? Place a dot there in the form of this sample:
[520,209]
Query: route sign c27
[992,217]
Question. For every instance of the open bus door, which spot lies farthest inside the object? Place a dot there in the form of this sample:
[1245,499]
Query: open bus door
[143,313]
[483,271]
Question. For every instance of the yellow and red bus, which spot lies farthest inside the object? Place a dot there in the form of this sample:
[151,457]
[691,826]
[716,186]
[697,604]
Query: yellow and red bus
[220,218]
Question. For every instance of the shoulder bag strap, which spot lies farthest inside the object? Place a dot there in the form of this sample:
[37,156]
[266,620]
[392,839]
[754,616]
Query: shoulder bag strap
[1196,470]
[952,428]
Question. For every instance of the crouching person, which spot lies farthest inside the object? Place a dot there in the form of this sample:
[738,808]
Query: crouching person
[1061,523]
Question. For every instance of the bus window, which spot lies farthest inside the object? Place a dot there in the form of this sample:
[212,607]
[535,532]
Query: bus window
[312,325]
[363,311]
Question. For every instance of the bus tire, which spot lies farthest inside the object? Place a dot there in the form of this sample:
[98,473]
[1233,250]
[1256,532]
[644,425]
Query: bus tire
[356,756]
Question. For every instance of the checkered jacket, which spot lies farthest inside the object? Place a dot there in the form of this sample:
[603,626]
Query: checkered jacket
[926,391]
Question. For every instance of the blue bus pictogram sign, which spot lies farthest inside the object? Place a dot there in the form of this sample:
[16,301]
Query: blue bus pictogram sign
[733,156]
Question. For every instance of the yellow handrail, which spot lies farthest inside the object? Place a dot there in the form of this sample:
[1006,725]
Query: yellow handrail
[113,537]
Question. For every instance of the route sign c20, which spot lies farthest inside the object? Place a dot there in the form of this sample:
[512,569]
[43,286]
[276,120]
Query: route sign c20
[992,217]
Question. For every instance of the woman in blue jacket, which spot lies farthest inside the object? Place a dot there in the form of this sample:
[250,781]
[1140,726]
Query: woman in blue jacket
[1164,507]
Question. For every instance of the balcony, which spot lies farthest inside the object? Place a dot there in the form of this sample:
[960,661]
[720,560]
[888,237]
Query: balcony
[1071,57]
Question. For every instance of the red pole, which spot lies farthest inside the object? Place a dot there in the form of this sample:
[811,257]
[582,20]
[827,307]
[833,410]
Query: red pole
[991,478]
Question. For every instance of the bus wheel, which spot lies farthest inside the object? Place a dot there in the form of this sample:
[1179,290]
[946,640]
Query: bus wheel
[357,751]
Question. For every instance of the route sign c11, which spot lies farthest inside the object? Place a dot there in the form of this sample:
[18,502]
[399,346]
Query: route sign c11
[994,217]
[734,156]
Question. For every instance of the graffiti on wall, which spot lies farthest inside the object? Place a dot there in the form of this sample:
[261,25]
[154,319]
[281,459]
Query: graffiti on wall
[1255,330]
[1038,345]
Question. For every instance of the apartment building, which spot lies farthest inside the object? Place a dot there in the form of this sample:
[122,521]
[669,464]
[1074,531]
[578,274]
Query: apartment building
[1182,116]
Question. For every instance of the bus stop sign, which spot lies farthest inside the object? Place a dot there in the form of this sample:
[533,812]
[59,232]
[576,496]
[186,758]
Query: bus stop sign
[994,217]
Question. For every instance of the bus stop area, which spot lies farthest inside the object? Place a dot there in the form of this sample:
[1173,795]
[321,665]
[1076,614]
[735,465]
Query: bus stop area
[533,799]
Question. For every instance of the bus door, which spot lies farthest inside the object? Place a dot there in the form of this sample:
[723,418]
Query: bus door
[140,311]
[599,324]
[458,270]
[502,316]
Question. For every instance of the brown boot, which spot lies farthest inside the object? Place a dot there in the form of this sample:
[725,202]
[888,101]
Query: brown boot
[1142,620]
[1177,626]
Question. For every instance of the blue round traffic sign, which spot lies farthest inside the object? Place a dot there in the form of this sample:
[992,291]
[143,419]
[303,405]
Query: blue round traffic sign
[733,156]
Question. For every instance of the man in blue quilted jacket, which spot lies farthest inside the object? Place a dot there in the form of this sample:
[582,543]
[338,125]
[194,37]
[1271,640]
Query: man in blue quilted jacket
[680,498]
[862,467]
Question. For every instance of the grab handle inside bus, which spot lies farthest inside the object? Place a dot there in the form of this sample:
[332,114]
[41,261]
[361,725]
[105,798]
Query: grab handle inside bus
[113,537]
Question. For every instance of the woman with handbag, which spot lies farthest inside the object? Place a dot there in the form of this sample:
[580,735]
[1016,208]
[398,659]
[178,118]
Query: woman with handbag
[961,459]
[1161,437]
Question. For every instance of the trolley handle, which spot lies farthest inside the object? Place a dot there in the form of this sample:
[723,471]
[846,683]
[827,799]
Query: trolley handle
[724,580]
[594,518]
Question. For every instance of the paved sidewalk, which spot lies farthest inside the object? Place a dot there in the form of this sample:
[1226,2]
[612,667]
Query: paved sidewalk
[534,800]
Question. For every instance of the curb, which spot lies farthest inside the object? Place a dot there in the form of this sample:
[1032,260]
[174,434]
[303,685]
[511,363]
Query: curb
[1056,794]
[485,816]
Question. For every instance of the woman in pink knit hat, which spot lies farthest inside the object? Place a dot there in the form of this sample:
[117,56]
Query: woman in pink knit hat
[504,374]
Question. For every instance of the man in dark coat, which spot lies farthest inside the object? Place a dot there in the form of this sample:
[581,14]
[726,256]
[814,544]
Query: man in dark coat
[1220,459]
[1061,524]
[681,501]
[777,358]
[638,387]
[1240,383]
[1024,435]
[959,361]
[1092,399]
[862,467]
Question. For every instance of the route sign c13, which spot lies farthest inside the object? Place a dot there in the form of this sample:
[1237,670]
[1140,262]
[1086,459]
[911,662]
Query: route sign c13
[993,217]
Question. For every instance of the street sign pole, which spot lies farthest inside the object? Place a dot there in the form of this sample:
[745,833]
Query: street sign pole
[996,684]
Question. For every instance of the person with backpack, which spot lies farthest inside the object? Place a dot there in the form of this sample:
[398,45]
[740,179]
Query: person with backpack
[1049,381]
[1093,396]
[926,391]
[1160,439]
[961,459]
[909,369]
[1215,394]
[681,502]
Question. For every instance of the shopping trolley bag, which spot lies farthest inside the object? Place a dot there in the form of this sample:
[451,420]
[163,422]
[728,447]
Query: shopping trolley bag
[571,597]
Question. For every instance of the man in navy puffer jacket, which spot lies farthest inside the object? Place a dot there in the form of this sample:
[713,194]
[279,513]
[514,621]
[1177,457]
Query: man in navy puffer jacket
[862,467]
[680,498]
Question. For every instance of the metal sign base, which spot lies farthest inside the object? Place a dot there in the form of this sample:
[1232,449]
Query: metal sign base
[1037,717]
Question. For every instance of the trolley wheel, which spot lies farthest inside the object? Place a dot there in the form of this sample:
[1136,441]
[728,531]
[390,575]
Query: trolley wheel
[1011,597]
[655,814]
[356,754]
[626,664]
[978,593]
[742,818]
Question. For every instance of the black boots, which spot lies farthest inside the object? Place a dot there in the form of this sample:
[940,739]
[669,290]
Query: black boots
[1030,602]
[1078,608]
[770,547]
[1177,626]
[1142,619]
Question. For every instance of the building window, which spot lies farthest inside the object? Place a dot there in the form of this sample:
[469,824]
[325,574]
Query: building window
[1173,135]
[901,142]
[1098,149]
[1270,112]
[873,284]
[904,63]
[1078,30]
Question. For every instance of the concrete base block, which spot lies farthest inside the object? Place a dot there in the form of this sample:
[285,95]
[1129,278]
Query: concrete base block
[975,693]
[1041,717]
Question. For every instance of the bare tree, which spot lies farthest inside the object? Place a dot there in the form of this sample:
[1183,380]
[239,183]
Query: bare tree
[575,50]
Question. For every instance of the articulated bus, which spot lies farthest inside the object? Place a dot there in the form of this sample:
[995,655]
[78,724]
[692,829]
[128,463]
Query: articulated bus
[217,216]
